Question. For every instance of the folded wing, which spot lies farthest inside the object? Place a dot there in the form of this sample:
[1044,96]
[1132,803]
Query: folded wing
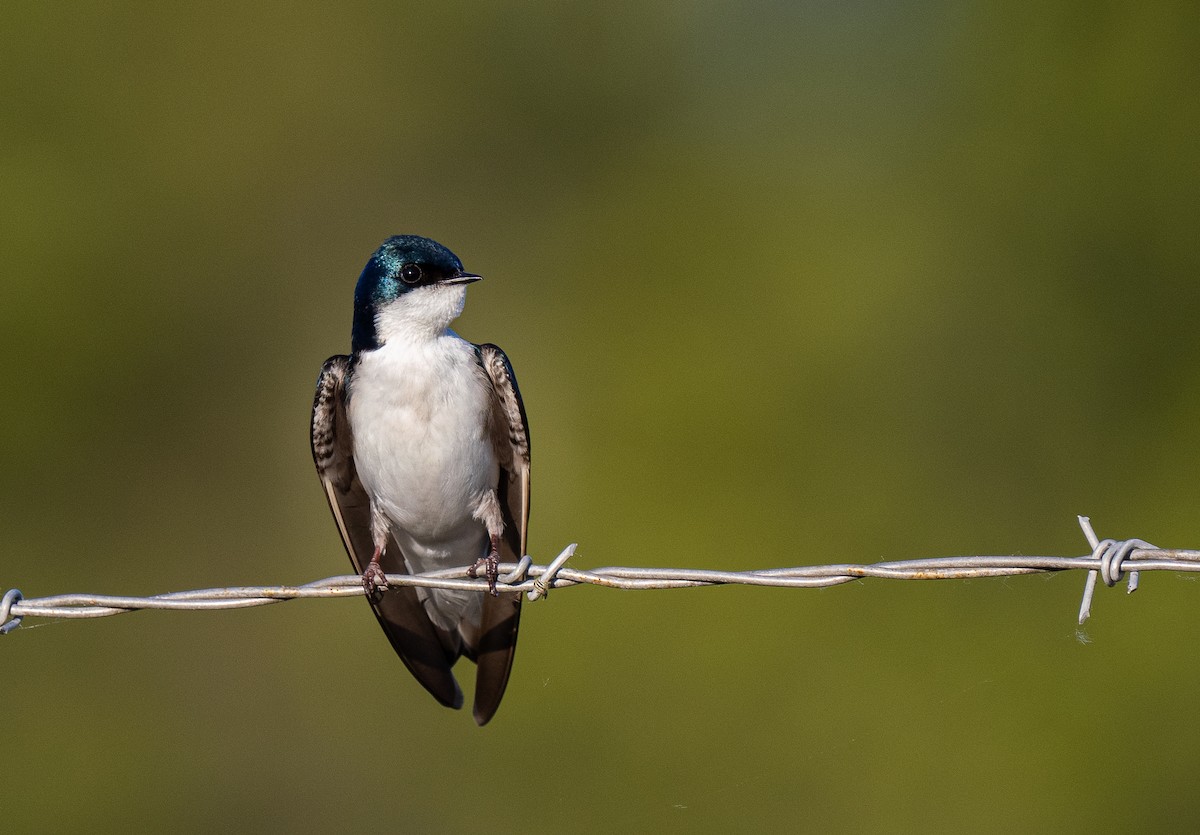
[426,651]
[502,615]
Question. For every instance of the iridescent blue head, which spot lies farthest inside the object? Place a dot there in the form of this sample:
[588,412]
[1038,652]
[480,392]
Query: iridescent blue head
[411,286]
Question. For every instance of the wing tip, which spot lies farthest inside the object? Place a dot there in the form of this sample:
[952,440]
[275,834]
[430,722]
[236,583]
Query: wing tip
[496,650]
[456,702]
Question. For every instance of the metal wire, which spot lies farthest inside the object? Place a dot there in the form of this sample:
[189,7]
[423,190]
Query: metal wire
[1109,560]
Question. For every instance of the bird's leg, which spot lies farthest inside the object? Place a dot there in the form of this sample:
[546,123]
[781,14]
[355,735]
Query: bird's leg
[488,512]
[373,579]
[491,565]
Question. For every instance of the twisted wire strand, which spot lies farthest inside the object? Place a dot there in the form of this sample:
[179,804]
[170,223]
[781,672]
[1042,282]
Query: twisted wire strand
[1110,560]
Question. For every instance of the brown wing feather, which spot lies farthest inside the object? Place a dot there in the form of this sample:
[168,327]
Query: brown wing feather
[502,615]
[426,652]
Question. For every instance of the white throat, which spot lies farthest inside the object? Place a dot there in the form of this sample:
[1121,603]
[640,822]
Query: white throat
[421,313]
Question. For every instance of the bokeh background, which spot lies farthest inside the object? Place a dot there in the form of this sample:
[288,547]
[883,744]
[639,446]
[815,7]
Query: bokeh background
[783,283]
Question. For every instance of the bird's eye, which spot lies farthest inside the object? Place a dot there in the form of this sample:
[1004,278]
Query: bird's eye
[410,273]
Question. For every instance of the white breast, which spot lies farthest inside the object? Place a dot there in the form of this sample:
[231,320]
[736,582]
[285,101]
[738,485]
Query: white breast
[419,411]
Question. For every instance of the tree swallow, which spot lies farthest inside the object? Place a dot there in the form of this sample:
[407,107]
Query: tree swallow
[421,442]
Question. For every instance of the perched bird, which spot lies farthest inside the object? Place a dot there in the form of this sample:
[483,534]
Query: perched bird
[422,445]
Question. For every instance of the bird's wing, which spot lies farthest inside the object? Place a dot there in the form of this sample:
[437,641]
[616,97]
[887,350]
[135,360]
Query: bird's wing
[501,615]
[427,654]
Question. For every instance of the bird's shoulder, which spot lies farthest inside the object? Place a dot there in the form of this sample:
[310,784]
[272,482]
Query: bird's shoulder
[330,434]
[509,406]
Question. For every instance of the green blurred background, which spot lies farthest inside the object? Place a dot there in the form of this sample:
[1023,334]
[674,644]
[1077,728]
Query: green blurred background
[783,283]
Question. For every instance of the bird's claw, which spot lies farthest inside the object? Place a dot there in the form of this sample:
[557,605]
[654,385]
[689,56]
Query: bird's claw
[491,570]
[374,581]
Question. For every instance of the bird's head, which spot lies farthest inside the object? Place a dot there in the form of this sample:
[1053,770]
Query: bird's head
[411,287]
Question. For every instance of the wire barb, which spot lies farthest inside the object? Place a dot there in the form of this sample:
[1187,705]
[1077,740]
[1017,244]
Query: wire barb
[10,599]
[541,586]
[1110,554]
[519,574]
[1109,559]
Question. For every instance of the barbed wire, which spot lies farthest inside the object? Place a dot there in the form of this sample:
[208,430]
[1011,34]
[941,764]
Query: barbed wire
[1109,560]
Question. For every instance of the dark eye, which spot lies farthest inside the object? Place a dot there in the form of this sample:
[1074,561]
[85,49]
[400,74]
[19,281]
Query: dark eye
[410,273]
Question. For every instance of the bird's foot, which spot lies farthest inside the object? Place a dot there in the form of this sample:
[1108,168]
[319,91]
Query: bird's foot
[491,567]
[374,580]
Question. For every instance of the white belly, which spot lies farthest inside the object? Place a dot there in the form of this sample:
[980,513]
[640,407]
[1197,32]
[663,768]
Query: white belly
[421,446]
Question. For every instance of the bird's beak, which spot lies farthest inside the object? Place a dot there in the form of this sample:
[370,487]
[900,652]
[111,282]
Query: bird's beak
[463,278]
